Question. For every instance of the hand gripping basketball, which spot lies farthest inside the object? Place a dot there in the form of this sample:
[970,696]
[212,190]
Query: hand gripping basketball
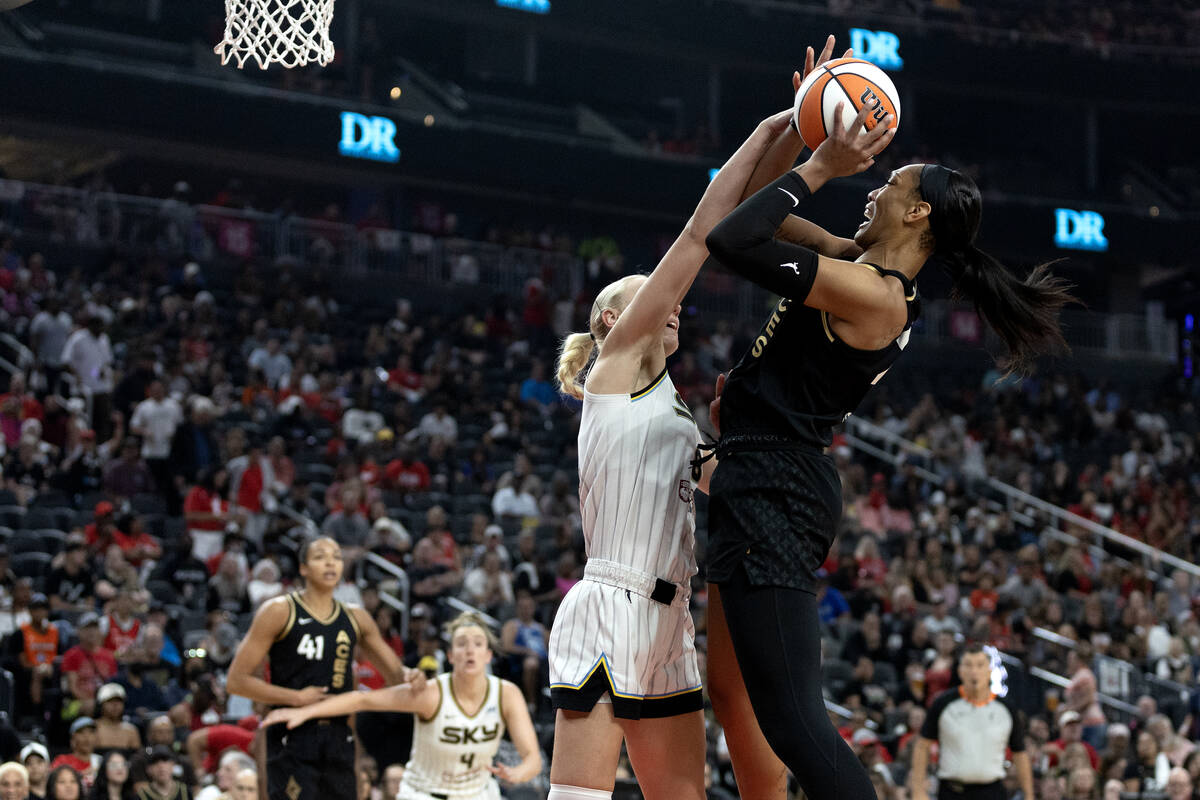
[849,151]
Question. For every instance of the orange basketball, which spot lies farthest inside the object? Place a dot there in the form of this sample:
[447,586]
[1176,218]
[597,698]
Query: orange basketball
[850,81]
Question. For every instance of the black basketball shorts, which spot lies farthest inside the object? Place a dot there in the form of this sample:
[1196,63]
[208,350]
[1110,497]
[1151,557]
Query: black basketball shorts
[312,762]
[774,513]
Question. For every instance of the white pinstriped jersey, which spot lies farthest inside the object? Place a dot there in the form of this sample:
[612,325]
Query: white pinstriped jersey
[452,751]
[635,480]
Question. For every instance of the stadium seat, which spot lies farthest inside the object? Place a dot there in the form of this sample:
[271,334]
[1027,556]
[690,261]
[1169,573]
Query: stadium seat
[50,498]
[836,674]
[315,472]
[53,540]
[148,504]
[163,591]
[12,516]
[32,564]
[885,674]
[42,517]
[27,542]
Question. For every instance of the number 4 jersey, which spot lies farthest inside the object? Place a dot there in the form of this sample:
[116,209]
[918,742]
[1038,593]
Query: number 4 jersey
[452,751]
[311,651]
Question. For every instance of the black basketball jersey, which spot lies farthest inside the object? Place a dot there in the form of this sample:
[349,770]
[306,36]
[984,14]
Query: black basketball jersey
[798,380]
[311,651]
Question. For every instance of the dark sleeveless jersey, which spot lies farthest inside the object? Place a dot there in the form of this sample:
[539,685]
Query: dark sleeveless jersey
[798,380]
[311,651]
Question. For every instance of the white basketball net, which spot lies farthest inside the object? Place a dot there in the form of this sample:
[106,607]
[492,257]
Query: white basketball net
[290,33]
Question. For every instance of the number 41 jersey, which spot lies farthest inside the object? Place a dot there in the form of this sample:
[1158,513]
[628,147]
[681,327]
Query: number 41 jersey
[451,752]
[311,651]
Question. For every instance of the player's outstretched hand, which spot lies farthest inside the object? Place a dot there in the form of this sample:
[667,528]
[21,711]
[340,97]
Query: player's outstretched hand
[309,695]
[414,678]
[294,717]
[849,151]
[812,61]
[508,774]
[714,408]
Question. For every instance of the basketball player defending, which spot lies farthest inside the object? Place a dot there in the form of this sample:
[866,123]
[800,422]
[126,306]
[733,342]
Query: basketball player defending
[622,658]
[458,723]
[310,639]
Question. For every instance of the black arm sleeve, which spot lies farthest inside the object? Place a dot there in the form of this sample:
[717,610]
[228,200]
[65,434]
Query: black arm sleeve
[745,241]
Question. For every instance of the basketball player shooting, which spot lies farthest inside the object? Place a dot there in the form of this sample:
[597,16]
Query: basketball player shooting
[775,497]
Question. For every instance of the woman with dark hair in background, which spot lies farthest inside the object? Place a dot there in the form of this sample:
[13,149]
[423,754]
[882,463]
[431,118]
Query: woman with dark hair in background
[775,498]
[64,783]
[112,779]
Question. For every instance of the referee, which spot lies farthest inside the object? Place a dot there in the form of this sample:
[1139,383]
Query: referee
[973,729]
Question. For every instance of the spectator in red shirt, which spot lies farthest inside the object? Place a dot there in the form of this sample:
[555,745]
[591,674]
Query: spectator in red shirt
[404,380]
[120,626]
[234,542]
[137,545]
[82,758]
[1070,730]
[406,473]
[985,597]
[86,666]
[102,531]
[16,406]
[205,746]
[368,677]
[206,511]
[438,532]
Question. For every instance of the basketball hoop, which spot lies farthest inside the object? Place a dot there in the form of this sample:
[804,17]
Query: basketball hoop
[290,33]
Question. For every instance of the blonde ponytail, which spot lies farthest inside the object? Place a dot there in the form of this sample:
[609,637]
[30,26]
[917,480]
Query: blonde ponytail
[576,350]
[577,347]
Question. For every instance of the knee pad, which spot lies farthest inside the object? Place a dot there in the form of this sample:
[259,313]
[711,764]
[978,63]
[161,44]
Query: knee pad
[559,791]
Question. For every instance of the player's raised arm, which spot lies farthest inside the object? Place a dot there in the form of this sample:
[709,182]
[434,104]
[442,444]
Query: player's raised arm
[642,321]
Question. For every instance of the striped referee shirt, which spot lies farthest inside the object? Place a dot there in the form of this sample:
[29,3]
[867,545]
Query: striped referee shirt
[973,738]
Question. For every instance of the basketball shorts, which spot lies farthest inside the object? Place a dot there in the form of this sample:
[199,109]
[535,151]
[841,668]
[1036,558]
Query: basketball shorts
[312,762]
[624,636]
[773,513]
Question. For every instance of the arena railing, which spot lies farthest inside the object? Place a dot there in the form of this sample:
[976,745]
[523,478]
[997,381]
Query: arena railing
[860,430]
[1123,680]
[207,233]
[1126,711]
[402,604]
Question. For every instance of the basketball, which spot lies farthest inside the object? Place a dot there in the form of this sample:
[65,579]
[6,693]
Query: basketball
[851,81]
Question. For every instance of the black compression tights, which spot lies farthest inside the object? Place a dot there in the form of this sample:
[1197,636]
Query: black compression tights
[776,635]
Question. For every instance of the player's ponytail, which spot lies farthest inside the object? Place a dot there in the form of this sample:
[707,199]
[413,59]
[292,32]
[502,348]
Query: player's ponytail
[1023,313]
[576,352]
[579,348]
